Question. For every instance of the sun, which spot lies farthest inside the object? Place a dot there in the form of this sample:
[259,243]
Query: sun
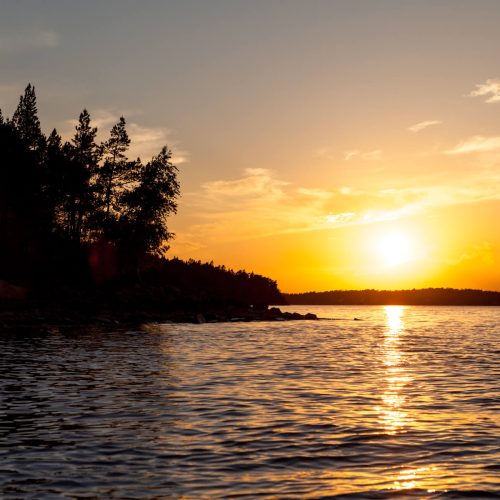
[395,248]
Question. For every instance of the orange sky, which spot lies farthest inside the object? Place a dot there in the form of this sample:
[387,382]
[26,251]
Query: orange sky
[325,143]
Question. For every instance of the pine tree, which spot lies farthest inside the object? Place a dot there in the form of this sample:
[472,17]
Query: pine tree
[55,173]
[144,223]
[84,155]
[54,140]
[85,149]
[25,119]
[116,171]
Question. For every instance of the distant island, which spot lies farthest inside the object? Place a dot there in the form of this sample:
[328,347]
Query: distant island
[420,297]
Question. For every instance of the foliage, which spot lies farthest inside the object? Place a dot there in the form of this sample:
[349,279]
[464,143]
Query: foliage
[61,199]
[25,119]
[151,200]
[115,173]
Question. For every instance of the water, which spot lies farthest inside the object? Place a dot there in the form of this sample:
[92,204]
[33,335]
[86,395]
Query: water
[403,403]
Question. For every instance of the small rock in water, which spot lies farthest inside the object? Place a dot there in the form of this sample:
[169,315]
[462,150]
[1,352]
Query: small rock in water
[200,319]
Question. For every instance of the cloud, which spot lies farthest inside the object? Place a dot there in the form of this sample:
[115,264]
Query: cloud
[254,205]
[259,204]
[324,153]
[350,154]
[256,182]
[475,144]
[145,142]
[490,89]
[422,125]
[483,252]
[148,141]
[28,40]
[374,155]
[339,218]
[329,154]
[314,193]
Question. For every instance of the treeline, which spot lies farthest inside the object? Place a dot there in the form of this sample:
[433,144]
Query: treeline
[81,221]
[425,296]
[192,283]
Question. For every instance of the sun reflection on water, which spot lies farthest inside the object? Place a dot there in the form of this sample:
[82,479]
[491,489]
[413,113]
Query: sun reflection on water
[392,414]
[420,477]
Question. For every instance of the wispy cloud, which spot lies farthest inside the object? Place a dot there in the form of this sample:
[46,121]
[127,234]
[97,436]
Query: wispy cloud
[254,205]
[490,89]
[330,154]
[483,252]
[27,40]
[475,144]
[340,218]
[422,125]
[324,153]
[256,182]
[259,204]
[145,142]
[374,155]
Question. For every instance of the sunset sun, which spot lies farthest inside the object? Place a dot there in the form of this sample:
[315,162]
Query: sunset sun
[395,248]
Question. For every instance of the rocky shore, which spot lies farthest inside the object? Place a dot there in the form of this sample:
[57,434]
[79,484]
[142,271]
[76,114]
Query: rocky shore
[12,318]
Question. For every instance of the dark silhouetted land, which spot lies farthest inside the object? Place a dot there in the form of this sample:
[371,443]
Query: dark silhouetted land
[421,297]
[84,233]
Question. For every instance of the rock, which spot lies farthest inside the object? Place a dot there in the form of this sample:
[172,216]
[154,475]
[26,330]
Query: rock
[199,318]
[274,311]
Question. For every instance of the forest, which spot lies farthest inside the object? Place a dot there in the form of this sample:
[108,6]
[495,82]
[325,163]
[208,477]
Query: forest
[424,296]
[79,218]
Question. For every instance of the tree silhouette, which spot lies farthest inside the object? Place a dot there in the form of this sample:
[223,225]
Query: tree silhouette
[58,199]
[57,167]
[114,174]
[84,155]
[143,224]
[25,119]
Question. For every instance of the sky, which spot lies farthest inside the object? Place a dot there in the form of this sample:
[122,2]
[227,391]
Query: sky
[328,144]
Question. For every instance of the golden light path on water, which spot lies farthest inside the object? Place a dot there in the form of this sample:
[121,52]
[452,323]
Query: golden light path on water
[392,412]
[394,417]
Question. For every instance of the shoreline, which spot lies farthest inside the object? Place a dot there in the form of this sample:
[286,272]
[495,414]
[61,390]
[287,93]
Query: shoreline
[43,318]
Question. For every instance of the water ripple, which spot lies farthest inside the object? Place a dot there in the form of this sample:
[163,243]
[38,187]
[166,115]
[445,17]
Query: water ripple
[404,404]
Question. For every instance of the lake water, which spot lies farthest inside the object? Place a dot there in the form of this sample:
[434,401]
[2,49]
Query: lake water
[403,402]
